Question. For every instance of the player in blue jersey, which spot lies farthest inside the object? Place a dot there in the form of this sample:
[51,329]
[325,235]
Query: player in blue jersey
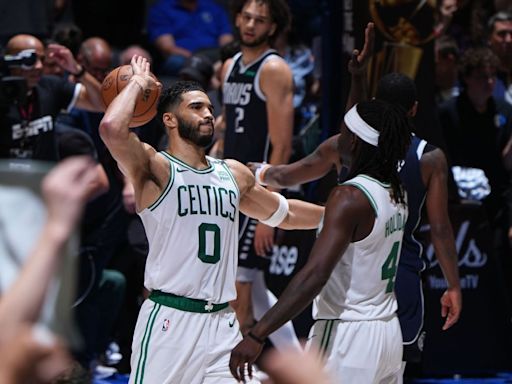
[257,93]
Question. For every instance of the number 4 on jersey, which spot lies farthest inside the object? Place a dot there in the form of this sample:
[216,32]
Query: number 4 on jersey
[388,271]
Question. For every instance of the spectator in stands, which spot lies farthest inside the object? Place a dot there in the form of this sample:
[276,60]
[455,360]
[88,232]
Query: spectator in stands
[476,129]
[180,28]
[29,122]
[500,42]
[95,55]
[126,55]
[103,228]
[199,68]
[446,66]
[68,35]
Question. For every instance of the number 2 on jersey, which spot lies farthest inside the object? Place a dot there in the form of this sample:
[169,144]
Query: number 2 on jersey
[240,113]
[388,270]
[214,230]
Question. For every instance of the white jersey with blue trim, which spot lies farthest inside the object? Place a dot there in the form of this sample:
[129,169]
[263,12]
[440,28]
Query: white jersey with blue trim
[192,230]
[361,286]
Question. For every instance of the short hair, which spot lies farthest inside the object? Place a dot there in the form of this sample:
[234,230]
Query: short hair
[171,97]
[498,16]
[397,88]
[477,57]
[278,10]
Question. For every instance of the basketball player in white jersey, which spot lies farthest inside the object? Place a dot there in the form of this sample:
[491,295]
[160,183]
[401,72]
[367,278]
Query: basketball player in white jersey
[352,266]
[189,206]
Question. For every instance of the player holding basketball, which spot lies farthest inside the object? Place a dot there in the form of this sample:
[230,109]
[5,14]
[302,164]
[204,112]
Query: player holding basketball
[352,265]
[189,205]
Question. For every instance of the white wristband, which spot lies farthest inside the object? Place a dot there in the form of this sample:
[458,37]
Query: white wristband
[280,214]
[259,172]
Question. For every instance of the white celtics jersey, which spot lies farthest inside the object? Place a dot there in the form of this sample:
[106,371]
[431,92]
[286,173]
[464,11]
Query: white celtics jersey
[192,230]
[361,287]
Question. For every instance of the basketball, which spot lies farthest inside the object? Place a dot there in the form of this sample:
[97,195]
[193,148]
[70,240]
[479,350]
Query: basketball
[145,108]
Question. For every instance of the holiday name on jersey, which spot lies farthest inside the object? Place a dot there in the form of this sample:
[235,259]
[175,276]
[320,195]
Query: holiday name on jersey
[395,223]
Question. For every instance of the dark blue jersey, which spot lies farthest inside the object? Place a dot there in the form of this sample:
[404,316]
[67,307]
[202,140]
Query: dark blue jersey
[408,286]
[410,175]
[246,138]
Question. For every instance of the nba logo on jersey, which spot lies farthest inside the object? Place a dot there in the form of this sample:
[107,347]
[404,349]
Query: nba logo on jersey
[165,325]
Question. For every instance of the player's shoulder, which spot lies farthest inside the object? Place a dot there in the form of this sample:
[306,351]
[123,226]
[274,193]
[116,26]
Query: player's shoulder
[349,200]
[275,72]
[433,162]
[275,63]
[236,167]
[159,161]
[243,175]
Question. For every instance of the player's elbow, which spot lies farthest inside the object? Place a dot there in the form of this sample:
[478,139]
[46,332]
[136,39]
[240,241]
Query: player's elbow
[109,129]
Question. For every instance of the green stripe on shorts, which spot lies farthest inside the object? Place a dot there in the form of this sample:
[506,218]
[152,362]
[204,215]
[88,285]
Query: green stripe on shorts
[326,337]
[145,343]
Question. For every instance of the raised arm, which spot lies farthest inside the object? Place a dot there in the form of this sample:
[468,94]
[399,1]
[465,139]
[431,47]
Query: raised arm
[259,203]
[137,160]
[358,68]
[434,173]
[90,93]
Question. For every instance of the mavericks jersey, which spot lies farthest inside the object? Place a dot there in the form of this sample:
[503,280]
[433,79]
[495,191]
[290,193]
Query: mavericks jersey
[192,230]
[410,175]
[361,286]
[246,138]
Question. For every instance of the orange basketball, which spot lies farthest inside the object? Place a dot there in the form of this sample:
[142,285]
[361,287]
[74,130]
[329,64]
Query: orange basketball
[145,108]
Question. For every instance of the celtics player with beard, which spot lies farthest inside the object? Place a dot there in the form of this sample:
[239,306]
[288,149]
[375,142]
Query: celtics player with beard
[189,205]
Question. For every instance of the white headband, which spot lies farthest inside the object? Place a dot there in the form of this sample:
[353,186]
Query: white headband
[360,127]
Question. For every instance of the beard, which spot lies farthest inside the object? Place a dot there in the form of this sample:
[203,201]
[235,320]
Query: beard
[255,43]
[192,133]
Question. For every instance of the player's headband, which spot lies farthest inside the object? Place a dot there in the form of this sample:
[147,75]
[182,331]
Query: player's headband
[358,126]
